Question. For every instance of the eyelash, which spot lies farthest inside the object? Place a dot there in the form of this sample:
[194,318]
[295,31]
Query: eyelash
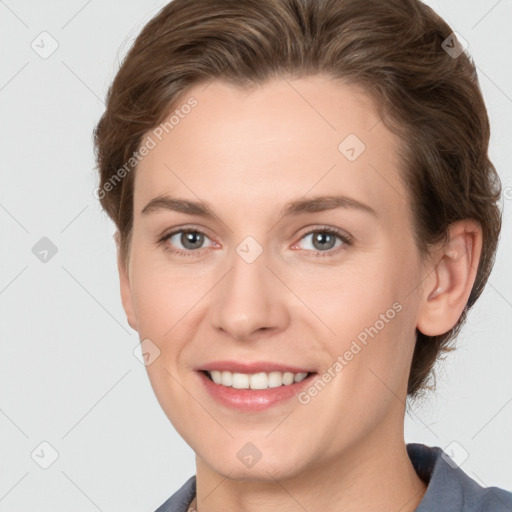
[347,241]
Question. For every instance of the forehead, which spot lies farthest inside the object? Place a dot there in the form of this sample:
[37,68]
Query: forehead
[272,143]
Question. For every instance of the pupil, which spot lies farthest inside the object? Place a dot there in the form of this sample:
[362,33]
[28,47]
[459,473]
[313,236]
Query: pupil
[322,237]
[188,239]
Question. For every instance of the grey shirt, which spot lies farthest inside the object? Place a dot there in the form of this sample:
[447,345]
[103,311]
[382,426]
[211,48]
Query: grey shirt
[448,487]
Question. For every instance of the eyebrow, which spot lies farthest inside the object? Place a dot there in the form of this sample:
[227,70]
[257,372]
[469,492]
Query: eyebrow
[292,208]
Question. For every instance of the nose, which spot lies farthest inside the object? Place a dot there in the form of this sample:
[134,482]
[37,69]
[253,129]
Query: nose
[250,300]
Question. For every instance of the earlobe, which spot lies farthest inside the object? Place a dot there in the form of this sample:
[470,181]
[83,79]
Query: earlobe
[452,277]
[124,284]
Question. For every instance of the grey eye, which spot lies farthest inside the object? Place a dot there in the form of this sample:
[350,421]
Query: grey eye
[189,240]
[322,240]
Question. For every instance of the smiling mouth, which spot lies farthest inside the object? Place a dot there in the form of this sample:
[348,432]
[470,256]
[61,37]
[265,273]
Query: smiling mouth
[260,380]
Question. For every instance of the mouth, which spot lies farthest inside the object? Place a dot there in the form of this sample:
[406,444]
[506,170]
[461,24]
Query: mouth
[254,392]
[253,386]
[257,380]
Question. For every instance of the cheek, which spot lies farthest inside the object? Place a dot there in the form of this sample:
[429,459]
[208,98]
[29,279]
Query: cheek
[151,299]
[164,306]
[163,294]
[352,297]
[371,312]
[169,303]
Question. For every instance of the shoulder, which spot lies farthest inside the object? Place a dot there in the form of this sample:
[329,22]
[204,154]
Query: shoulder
[450,488]
[492,499]
[180,500]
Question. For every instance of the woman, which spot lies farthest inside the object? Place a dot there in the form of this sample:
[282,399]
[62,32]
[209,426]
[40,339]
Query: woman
[305,212]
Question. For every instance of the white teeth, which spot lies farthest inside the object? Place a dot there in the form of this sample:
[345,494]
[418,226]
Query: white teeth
[260,380]
[240,380]
[275,379]
[226,378]
[288,378]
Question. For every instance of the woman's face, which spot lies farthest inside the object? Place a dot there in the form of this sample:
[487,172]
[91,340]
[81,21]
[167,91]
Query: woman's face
[251,284]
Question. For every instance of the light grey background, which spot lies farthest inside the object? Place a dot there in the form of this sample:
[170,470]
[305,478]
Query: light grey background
[68,375]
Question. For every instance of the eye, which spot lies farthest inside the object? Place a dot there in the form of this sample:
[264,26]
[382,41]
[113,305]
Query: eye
[323,240]
[191,240]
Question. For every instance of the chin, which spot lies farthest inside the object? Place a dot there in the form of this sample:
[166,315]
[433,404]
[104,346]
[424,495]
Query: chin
[268,468]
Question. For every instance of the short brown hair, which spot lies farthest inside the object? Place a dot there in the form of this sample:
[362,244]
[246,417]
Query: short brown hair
[393,49]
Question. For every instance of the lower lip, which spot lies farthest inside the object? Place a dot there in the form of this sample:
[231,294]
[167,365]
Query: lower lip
[252,400]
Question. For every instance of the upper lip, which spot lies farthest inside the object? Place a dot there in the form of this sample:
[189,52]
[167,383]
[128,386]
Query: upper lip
[252,367]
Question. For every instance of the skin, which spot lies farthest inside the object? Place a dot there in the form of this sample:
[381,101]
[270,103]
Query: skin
[247,153]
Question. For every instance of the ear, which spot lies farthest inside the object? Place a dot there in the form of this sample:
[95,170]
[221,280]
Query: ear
[451,278]
[124,283]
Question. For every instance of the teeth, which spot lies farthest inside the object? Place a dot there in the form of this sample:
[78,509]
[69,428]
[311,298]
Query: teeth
[260,380]
[240,380]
